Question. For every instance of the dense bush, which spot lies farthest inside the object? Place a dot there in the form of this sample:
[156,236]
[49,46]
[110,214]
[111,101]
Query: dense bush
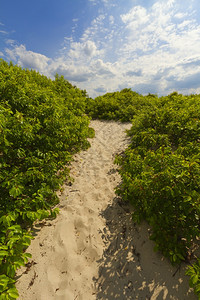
[161,175]
[42,124]
[163,187]
[120,106]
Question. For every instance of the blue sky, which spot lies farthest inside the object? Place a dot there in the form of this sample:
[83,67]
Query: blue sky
[150,46]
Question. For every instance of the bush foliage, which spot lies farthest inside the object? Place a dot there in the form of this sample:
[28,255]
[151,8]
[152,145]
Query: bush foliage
[119,106]
[160,173]
[160,170]
[42,124]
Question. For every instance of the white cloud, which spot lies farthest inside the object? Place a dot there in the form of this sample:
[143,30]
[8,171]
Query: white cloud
[10,42]
[71,72]
[180,15]
[96,29]
[111,19]
[94,2]
[101,68]
[28,59]
[106,3]
[3,31]
[135,17]
[150,46]
[101,90]
[80,51]
[89,48]
[154,49]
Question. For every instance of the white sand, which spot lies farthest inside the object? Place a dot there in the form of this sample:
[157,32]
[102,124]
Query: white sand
[92,250]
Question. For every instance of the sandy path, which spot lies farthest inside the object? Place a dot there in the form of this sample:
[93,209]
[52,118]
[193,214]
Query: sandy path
[92,250]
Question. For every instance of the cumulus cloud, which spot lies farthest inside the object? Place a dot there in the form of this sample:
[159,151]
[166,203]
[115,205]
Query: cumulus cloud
[89,48]
[78,50]
[193,62]
[134,73]
[71,72]
[140,49]
[136,17]
[161,40]
[146,88]
[100,90]
[101,68]
[10,42]
[28,59]
[152,49]
[189,82]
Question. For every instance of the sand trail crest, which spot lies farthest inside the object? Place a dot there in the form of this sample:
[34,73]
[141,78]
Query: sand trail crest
[92,250]
[66,252]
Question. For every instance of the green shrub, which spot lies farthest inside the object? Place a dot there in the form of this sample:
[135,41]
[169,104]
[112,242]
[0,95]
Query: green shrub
[42,124]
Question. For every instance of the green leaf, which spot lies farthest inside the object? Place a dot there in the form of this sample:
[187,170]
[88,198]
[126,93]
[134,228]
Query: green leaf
[13,293]
[180,256]
[15,228]
[3,253]
[16,191]
[174,257]
[27,255]
[197,288]
[4,280]
[195,279]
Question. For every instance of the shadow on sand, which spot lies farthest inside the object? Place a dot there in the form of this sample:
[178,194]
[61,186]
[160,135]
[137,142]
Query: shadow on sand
[129,268]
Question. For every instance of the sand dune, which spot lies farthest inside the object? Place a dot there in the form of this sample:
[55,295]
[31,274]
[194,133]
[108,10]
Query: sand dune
[92,250]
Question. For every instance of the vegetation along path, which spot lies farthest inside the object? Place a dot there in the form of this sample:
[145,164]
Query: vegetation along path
[92,250]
